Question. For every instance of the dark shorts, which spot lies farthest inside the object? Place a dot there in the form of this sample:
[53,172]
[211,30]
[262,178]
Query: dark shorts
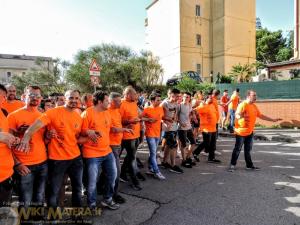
[186,136]
[170,137]
[195,125]
[224,114]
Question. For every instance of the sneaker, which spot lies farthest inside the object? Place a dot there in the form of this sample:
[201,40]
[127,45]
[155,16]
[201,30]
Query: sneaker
[214,161]
[123,178]
[140,176]
[196,158]
[252,168]
[190,161]
[176,169]
[119,199]
[166,165]
[218,153]
[204,153]
[186,164]
[159,176]
[231,168]
[110,204]
[136,187]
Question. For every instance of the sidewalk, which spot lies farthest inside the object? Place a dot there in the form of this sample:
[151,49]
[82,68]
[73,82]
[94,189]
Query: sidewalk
[281,135]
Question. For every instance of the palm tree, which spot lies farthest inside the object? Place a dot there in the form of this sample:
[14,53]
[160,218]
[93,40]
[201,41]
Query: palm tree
[242,73]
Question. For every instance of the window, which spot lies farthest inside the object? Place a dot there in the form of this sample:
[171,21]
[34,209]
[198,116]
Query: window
[8,76]
[198,69]
[198,39]
[198,10]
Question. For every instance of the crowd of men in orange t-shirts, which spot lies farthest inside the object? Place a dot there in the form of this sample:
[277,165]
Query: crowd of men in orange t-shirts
[46,142]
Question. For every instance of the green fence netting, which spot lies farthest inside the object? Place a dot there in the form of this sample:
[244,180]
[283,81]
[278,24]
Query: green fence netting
[289,89]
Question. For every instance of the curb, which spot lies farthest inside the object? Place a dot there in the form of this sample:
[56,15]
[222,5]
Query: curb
[261,137]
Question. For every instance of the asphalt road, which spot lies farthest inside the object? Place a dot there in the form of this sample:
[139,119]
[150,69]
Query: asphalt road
[209,195]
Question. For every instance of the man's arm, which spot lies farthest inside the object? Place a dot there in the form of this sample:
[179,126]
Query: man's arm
[264,117]
[24,144]
[8,139]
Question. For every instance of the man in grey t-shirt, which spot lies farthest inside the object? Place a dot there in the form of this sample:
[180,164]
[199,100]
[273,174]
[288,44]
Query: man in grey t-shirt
[170,121]
[185,132]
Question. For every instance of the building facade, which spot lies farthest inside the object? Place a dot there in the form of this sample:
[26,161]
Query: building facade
[18,65]
[201,35]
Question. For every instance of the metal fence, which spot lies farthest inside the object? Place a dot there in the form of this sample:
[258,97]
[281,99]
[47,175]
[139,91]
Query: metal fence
[289,89]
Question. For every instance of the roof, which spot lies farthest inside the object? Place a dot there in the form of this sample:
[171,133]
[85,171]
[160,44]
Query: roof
[149,6]
[284,63]
[24,57]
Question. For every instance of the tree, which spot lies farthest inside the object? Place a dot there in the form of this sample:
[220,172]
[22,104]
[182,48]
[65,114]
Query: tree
[120,67]
[49,79]
[242,73]
[272,46]
[187,84]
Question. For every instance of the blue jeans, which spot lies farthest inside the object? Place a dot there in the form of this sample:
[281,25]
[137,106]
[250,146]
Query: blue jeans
[232,118]
[152,144]
[57,171]
[247,141]
[32,186]
[116,151]
[94,166]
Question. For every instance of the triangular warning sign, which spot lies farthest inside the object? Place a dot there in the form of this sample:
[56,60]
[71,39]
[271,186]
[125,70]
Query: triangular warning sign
[94,66]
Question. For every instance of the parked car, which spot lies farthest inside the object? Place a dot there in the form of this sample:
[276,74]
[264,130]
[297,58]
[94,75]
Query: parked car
[174,80]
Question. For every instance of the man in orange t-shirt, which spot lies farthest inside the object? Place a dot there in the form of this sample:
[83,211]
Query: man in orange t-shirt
[232,106]
[115,138]
[224,105]
[7,140]
[208,115]
[154,114]
[97,124]
[12,104]
[130,119]
[31,167]
[246,115]
[63,151]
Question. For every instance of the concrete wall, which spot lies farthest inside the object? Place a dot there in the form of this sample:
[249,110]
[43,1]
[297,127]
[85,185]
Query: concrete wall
[163,35]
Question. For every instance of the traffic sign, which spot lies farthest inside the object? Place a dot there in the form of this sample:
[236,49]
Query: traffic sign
[94,68]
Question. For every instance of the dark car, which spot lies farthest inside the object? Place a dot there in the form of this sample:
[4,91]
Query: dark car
[178,77]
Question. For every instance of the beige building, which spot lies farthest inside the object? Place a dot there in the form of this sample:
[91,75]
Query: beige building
[201,35]
[18,65]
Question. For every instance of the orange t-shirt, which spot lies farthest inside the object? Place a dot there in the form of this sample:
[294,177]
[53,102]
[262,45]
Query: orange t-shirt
[245,126]
[101,122]
[224,100]
[129,111]
[6,158]
[12,106]
[37,153]
[116,121]
[208,117]
[68,126]
[235,101]
[215,103]
[157,113]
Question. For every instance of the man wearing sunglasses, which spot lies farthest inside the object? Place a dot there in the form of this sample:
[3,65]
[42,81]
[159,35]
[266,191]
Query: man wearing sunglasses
[31,167]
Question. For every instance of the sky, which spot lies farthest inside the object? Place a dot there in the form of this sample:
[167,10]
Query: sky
[59,28]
